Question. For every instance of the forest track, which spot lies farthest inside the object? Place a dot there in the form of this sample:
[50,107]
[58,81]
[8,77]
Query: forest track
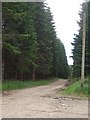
[43,102]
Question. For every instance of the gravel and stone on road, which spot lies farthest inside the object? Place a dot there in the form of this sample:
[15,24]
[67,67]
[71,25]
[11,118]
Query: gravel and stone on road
[43,102]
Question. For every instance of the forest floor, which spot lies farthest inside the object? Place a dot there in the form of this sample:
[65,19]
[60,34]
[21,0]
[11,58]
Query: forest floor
[43,102]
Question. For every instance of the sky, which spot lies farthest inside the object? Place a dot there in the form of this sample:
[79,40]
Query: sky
[65,15]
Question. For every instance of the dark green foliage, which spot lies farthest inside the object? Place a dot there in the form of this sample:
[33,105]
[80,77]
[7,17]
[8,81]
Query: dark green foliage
[61,65]
[31,49]
[77,52]
[19,37]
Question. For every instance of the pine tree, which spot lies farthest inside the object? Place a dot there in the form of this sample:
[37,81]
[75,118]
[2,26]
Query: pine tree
[31,49]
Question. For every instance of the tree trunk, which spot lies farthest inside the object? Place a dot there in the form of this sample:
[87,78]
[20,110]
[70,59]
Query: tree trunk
[16,74]
[22,76]
[33,74]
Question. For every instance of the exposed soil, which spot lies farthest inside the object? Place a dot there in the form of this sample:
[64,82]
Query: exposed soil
[43,102]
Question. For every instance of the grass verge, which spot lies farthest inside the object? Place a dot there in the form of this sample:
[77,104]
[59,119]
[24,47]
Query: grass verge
[14,84]
[0,86]
[77,90]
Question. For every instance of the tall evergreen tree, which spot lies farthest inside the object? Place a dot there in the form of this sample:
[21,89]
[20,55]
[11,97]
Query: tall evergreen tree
[19,37]
[61,66]
[31,49]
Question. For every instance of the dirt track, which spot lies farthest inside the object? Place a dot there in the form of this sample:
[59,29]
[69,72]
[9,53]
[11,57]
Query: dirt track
[42,102]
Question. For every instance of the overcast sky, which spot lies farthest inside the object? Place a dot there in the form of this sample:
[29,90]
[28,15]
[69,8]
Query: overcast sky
[65,14]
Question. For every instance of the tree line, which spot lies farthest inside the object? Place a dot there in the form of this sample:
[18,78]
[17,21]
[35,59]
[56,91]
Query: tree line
[77,43]
[31,49]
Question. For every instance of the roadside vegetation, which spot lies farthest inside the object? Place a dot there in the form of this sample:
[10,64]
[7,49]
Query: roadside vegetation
[14,84]
[78,88]
[0,86]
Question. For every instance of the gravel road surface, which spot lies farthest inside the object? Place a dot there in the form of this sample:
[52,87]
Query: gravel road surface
[43,102]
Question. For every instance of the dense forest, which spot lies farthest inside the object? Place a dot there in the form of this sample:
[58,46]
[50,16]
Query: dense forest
[77,43]
[31,49]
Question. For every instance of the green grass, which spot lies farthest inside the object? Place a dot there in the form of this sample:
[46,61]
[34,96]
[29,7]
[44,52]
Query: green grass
[14,85]
[76,89]
[0,86]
